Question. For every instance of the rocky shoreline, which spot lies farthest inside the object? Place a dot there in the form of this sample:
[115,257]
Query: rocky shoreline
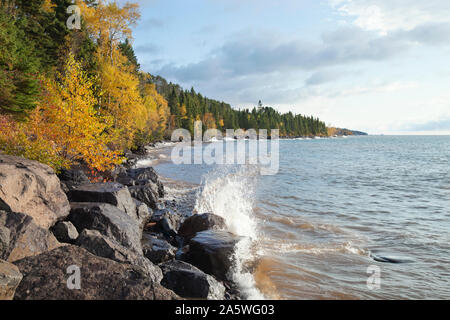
[66,238]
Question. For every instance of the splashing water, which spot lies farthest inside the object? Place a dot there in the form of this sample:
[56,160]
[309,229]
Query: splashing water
[228,193]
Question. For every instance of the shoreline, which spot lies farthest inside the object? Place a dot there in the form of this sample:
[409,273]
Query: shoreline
[130,222]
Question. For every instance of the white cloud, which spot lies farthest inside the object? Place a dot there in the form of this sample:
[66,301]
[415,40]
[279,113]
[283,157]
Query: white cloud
[385,16]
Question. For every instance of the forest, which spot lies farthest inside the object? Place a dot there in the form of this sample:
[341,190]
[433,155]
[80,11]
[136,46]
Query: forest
[78,95]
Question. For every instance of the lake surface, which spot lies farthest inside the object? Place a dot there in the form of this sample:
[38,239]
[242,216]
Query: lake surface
[339,213]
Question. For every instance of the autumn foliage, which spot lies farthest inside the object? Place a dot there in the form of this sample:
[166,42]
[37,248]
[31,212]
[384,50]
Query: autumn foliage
[89,116]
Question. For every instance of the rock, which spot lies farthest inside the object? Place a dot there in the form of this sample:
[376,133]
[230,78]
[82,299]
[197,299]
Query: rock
[200,222]
[109,221]
[26,238]
[73,177]
[65,232]
[189,282]
[5,237]
[143,174]
[167,221]
[147,193]
[112,193]
[212,252]
[102,246]
[142,213]
[10,278]
[33,189]
[45,277]
[158,250]
[150,187]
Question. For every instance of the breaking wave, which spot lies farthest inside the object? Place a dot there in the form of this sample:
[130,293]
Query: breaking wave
[229,193]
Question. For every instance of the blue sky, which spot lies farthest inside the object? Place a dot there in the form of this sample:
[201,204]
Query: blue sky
[379,66]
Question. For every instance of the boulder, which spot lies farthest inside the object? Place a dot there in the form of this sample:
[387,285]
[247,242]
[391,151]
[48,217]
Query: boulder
[33,189]
[212,251]
[109,221]
[73,177]
[65,231]
[147,193]
[102,246]
[200,222]
[142,213]
[189,282]
[10,278]
[167,221]
[112,193]
[25,237]
[157,250]
[45,277]
[5,237]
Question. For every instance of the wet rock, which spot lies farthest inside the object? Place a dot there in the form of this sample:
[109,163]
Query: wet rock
[212,252]
[45,277]
[65,232]
[102,246]
[200,222]
[190,282]
[10,278]
[26,238]
[109,221]
[112,193]
[158,250]
[33,189]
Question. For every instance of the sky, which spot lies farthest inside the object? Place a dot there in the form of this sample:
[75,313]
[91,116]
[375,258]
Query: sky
[380,66]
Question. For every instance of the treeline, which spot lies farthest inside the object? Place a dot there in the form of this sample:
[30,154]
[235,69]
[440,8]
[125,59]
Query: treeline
[187,106]
[78,95]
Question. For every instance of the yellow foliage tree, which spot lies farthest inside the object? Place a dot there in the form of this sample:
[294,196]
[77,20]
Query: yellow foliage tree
[65,128]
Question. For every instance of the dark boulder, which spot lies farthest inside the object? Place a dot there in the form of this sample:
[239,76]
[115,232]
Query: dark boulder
[143,183]
[112,193]
[157,250]
[109,221]
[45,277]
[167,221]
[200,222]
[212,251]
[73,177]
[102,246]
[147,193]
[189,282]
[65,231]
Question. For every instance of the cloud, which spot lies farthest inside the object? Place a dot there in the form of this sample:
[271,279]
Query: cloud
[154,23]
[148,48]
[322,77]
[258,54]
[435,125]
[385,16]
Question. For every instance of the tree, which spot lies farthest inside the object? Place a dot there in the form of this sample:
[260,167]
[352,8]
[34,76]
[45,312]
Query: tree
[18,80]
[64,128]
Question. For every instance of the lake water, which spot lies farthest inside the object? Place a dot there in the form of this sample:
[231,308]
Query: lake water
[340,212]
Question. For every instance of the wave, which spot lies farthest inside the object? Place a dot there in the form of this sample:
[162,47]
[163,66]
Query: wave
[229,193]
[289,247]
